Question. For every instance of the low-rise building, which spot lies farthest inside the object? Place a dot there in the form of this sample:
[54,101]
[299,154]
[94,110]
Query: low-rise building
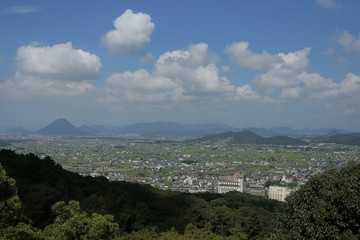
[256,189]
[231,183]
[278,192]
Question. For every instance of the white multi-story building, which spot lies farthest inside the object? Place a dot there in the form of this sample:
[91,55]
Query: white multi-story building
[231,183]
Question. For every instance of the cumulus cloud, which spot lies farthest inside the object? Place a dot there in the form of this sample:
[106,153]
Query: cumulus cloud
[132,31]
[58,70]
[288,79]
[141,86]
[194,69]
[285,72]
[243,57]
[348,41]
[58,61]
[347,88]
[328,3]
[23,86]
[181,75]
[246,93]
[291,92]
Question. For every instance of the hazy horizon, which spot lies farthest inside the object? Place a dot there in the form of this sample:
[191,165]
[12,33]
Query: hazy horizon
[35,128]
[242,63]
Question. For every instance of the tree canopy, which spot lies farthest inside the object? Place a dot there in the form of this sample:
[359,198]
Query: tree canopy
[327,207]
[60,203]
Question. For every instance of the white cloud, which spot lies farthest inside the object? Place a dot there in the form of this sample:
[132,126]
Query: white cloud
[348,88]
[182,75]
[285,72]
[58,61]
[58,70]
[21,9]
[296,61]
[288,79]
[21,87]
[328,3]
[194,69]
[141,79]
[243,57]
[132,31]
[314,81]
[246,93]
[141,86]
[291,92]
[349,42]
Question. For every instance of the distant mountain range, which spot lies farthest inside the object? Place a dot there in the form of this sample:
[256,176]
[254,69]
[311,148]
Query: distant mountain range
[248,137]
[346,139]
[62,127]
[162,128]
[19,130]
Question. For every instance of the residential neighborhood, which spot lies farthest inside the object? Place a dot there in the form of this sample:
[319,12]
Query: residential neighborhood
[191,167]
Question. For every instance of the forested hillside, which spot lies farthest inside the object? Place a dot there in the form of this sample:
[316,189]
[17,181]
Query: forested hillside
[248,137]
[327,207]
[41,201]
[55,201]
[346,139]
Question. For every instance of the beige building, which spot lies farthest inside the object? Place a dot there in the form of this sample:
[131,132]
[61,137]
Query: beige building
[278,193]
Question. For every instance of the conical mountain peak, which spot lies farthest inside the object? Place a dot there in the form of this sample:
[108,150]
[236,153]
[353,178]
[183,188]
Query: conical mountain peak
[61,127]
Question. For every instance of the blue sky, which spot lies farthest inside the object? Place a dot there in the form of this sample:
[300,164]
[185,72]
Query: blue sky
[243,63]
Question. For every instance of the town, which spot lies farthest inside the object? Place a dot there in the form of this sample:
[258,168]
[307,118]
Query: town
[175,164]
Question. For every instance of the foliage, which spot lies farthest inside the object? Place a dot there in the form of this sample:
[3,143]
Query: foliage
[10,203]
[11,212]
[72,223]
[327,207]
[191,233]
[22,231]
[52,198]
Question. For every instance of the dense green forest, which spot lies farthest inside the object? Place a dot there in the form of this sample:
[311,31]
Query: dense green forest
[51,202]
[327,207]
[41,201]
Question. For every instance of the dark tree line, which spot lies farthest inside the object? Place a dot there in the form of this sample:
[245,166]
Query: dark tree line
[44,187]
[39,200]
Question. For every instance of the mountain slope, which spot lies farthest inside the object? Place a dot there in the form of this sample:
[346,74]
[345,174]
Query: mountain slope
[346,139]
[154,128]
[19,130]
[248,137]
[61,127]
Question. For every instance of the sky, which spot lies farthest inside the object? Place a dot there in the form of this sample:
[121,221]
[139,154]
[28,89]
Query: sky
[255,63]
